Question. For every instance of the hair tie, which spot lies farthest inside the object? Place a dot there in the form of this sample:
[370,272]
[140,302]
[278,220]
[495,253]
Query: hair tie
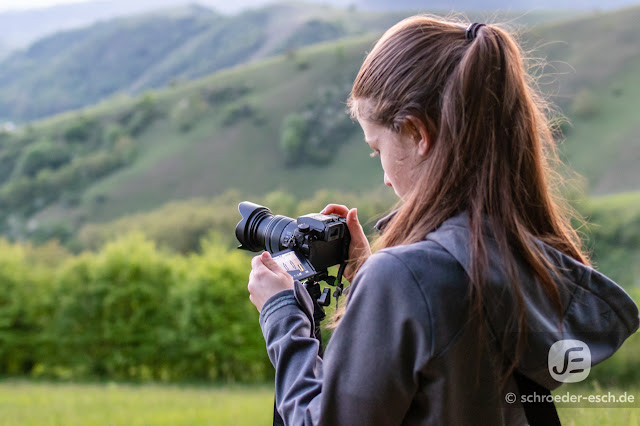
[472,31]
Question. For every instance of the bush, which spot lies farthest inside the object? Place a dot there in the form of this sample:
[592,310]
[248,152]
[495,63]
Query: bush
[236,112]
[141,115]
[128,312]
[42,155]
[222,95]
[178,226]
[18,192]
[7,164]
[82,129]
[112,133]
[314,134]
[218,328]
[293,135]
[24,310]
[188,112]
[281,203]
[28,194]
[112,317]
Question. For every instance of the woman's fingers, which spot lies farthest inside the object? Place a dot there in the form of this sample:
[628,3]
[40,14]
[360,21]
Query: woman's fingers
[338,209]
[266,278]
[359,247]
[358,238]
[264,264]
[354,224]
[359,242]
[271,264]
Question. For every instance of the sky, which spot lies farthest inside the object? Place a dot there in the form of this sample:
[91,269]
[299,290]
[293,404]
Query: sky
[31,4]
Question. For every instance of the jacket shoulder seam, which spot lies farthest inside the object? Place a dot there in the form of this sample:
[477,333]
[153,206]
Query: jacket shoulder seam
[424,298]
[458,332]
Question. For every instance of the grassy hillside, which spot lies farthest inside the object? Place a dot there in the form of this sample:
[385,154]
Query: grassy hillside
[80,67]
[75,68]
[201,138]
[592,74]
[614,235]
[215,154]
[19,28]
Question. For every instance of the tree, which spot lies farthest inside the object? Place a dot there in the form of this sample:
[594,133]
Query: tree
[294,133]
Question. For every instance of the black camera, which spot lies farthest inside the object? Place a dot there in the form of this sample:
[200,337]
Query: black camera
[305,246]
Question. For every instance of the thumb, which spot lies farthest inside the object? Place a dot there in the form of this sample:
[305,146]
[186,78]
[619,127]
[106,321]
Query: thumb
[353,223]
[271,264]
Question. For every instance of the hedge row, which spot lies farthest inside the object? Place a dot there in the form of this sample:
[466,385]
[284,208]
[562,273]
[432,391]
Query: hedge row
[129,312]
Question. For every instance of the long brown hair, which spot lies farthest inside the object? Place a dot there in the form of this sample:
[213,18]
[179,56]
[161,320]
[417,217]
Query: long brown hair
[491,147]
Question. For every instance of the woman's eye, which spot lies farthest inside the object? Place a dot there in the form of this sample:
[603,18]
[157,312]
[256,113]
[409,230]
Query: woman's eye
[374,154]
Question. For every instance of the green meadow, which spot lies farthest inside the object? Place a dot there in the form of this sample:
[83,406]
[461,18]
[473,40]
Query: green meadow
[26,403]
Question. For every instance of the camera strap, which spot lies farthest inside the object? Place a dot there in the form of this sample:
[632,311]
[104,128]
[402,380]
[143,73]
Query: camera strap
[277,419]
[538,413]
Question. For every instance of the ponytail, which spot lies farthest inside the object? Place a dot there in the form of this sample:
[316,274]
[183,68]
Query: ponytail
[490,109]
[491,147]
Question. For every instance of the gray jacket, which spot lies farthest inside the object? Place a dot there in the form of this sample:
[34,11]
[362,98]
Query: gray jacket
[406,350]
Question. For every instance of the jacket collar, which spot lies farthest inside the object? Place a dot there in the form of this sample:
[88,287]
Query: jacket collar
[460,219]
[382,223]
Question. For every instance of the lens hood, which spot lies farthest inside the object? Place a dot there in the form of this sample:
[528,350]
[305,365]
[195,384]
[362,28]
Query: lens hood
[247,229]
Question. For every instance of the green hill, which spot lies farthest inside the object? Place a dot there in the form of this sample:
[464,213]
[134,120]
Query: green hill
[595,62]
[80,67]
[202,138]
[19,28]
[614,235]
[76,68]
[208,136]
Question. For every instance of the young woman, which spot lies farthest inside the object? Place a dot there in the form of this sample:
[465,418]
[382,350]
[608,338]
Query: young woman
[479,272]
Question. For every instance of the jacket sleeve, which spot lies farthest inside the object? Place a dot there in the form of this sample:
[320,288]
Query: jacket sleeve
[372,364]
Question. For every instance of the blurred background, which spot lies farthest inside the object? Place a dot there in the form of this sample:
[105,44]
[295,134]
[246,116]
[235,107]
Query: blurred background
[129,132]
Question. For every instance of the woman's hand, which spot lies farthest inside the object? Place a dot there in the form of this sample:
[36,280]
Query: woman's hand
[266,279]
[359,247]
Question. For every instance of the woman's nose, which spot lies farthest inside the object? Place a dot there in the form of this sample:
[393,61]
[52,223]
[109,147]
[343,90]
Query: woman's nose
[387,181]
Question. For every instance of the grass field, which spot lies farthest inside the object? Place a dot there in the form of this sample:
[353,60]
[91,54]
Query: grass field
[28,403]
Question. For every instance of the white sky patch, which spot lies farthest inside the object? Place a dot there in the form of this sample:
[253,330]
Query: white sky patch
[33,4]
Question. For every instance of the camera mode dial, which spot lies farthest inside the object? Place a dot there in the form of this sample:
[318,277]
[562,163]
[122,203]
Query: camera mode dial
[304,228]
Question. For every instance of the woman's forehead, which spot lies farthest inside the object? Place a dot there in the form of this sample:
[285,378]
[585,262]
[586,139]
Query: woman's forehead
[361,108]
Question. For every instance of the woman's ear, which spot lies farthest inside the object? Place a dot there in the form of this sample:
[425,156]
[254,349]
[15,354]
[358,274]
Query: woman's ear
[420,135]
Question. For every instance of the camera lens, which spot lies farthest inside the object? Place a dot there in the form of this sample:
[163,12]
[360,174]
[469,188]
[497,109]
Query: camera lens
[260,230]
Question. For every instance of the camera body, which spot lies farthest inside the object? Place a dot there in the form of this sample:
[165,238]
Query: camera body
[322,239]
[318,241]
